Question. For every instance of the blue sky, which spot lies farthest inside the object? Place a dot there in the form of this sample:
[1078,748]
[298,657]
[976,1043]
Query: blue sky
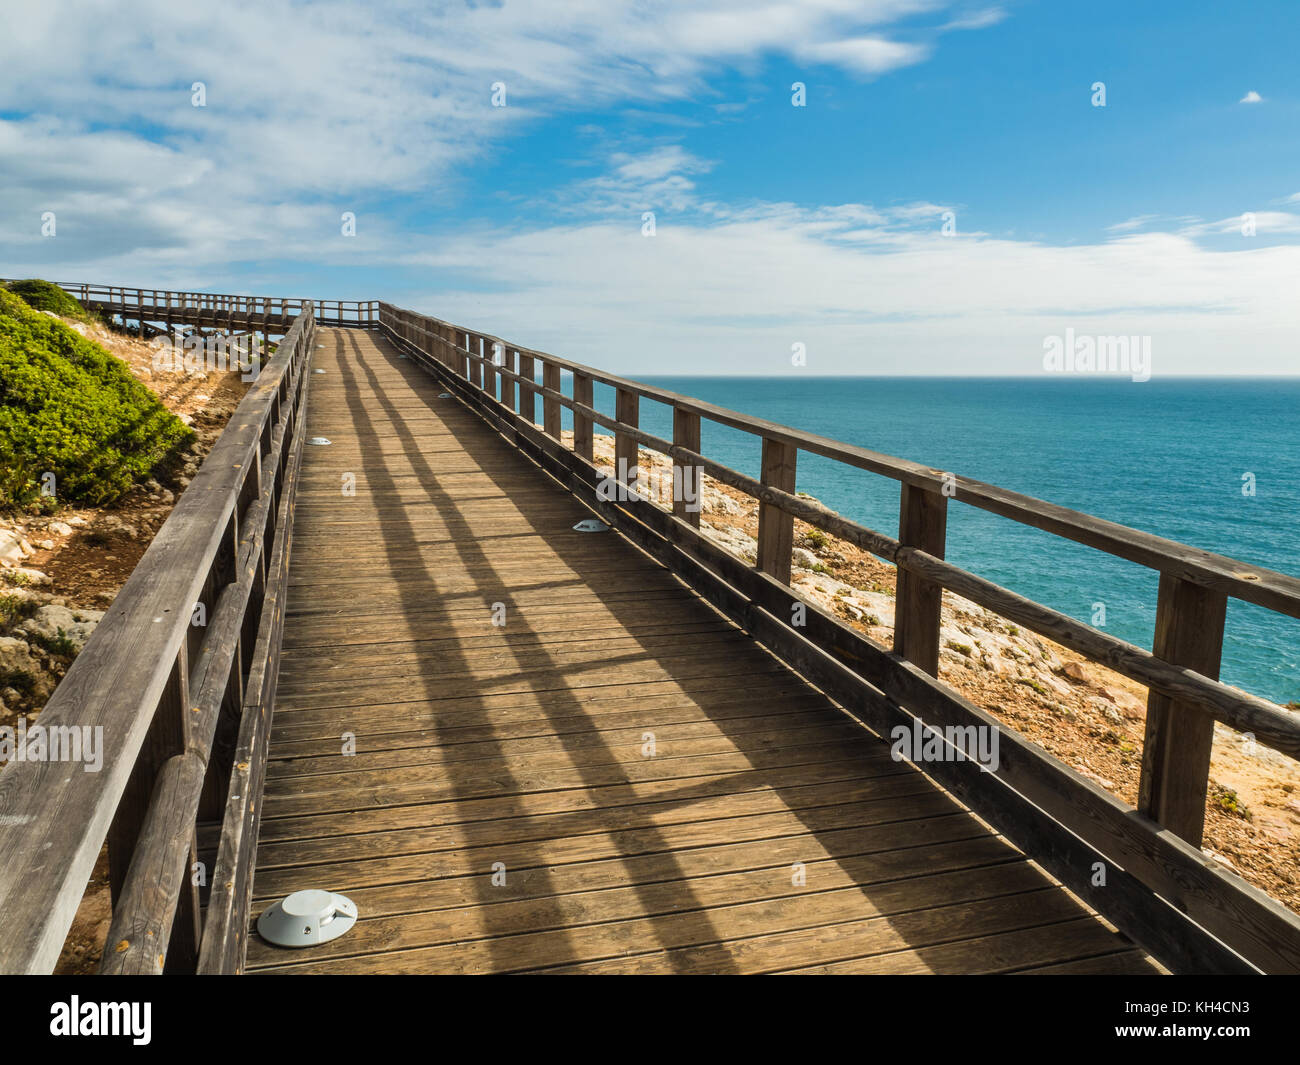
[774,224]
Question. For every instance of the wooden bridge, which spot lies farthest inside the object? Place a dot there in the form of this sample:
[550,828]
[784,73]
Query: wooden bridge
[521,748]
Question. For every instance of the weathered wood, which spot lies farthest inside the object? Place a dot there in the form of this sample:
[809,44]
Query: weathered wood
[160,868]
[584,441]
[1179,735]
[166,739]
[551,407]
[509,389]
[138,933]
[626,411]
[1249,583]
[687,478]
[53,819]
[225,934]
[775,526]
[599,840]
[527,398]
[490,375]
[922,523]
[1257,926]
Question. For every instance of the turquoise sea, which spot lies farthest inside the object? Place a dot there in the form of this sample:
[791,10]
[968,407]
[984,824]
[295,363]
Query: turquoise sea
[1167,456]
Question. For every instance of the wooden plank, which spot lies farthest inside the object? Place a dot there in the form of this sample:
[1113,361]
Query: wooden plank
[551,408]
[1250,907]
[687,486]
[747,938]
[522,747]
[527,397]
[775,526]
[401,918]
[626,407]
[922,523]
[583,437]
[1180,735]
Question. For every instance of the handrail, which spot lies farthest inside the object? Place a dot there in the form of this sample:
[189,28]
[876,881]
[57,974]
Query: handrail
[167,695]
[185,713]
[253,310]
[1158,843]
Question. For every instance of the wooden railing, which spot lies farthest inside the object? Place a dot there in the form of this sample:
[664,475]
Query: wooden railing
[259,312]
[1142,868]
[183,707]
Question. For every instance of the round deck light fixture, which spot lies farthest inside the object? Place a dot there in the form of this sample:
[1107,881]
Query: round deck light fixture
[319,440]
[591,525]
[307,918]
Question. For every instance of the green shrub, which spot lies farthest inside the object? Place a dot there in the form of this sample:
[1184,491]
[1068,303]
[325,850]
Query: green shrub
[14,609]
[47,296]
[60,644]
[70,408]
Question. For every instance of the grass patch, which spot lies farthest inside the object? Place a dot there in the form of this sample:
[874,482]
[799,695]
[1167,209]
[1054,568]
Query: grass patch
[15,608]
[1230,803]
[69,408]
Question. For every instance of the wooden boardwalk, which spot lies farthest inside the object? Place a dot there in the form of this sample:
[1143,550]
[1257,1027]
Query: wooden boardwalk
[519,752]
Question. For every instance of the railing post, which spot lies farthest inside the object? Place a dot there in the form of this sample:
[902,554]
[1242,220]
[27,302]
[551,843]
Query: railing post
[551,407]
[686,479]
[776,526]
[1179,735]
[489,368]
[476,347]
[527,397]
[583,437]
[166,737]
[449,348]
[509,387]
[923,524]
[627,406]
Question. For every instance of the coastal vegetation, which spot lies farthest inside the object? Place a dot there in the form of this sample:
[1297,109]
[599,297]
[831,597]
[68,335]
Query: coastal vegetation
[75,425]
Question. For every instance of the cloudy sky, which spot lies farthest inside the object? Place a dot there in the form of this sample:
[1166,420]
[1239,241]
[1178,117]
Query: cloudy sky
[948,196]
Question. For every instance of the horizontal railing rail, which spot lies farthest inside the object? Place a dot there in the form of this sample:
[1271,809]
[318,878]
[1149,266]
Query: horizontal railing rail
[185,709]
[157,304]
[1153,850]
[173,679]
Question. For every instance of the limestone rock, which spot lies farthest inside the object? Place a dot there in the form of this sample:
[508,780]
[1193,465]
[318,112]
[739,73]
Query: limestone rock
[53,622]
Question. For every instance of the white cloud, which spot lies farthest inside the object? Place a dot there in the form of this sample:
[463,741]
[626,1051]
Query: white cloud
[977,20]
[733,296]
[1130,224]
[1251,97]
[311,115]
